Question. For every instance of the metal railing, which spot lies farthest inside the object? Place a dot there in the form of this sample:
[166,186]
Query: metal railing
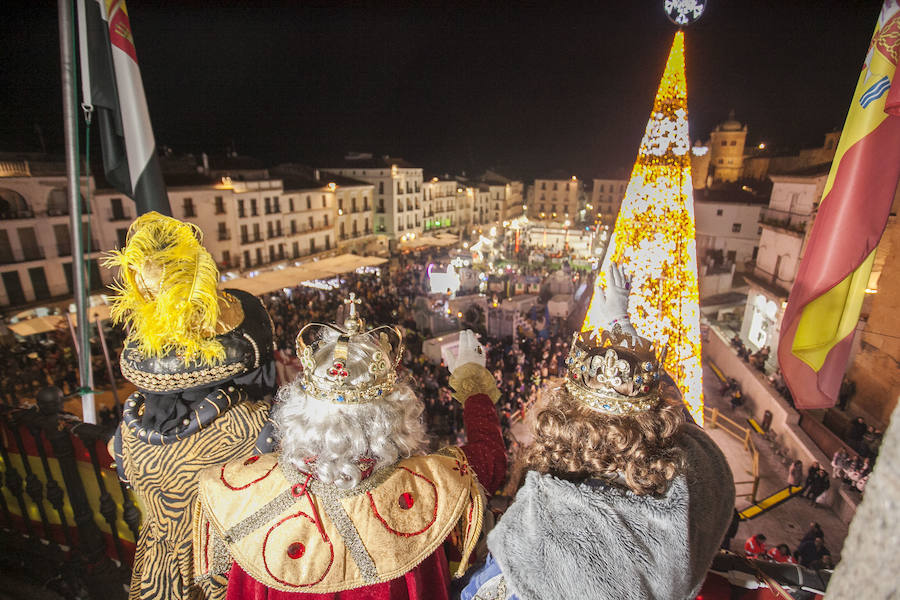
[782,219]
[70,533]
[715,419]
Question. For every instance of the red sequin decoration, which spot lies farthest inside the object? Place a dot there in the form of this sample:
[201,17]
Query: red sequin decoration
[296,550]
[406,501]
[250,461]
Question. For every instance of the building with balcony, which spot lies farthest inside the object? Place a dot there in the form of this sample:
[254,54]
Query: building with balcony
[728,226]
[606,200]
[785,224]
[440,200]
[398,210]
[35,232]
[556,199]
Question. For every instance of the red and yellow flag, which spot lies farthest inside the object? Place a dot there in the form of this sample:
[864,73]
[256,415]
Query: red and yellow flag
[826,299]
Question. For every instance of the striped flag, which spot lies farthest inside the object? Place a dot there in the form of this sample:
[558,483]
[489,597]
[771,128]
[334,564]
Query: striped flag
[827,296]
[111,83]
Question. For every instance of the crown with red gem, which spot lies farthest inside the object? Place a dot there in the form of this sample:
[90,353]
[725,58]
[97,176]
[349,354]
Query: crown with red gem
[613,372]
[345,364]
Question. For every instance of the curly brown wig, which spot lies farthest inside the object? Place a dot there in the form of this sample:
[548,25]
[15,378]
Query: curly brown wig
[571,441]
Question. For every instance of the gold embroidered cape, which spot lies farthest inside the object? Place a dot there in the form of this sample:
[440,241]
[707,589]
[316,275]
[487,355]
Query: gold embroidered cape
[293,533]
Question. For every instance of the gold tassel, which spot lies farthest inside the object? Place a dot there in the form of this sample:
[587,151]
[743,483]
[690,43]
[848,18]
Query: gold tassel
[167,291]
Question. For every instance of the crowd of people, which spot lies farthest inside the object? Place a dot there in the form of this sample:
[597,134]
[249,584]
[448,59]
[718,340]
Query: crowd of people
[811,552]
[521,368]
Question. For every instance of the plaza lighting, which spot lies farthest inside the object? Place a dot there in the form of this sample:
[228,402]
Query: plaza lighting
[654,237]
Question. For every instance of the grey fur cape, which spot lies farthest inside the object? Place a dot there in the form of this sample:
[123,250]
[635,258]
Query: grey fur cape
[565,540]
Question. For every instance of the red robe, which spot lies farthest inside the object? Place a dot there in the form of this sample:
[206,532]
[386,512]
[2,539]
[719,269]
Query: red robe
[430,580]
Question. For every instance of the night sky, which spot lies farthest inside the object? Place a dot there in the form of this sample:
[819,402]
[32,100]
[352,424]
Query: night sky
[451,87]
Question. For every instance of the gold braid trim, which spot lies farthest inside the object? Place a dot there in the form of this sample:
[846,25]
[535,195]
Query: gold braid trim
[470,379]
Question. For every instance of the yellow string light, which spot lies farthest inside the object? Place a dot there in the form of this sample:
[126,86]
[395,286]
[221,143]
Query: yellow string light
[654,236]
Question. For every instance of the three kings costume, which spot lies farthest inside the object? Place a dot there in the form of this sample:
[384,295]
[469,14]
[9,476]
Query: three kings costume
[280,533]
[201,360]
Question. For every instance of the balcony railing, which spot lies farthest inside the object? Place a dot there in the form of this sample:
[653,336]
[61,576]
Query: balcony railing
[224,236]
[786,220]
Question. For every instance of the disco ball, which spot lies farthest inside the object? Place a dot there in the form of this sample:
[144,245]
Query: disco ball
[684,12]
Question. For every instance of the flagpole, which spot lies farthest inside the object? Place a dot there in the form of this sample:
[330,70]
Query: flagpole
[70,126]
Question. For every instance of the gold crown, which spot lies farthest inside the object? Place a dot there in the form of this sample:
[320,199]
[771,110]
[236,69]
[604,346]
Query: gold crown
[613,372]
[337,354]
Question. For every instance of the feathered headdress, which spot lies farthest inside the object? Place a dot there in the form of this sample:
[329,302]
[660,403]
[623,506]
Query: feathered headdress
[166,292]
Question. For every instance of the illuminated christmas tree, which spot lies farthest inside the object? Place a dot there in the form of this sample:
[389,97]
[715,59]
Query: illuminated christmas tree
[654,236]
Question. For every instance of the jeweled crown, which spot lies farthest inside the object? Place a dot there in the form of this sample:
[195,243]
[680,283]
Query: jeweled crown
[613,372]
[333,356]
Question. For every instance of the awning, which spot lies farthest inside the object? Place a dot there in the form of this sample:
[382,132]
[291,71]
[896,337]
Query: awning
[289,277]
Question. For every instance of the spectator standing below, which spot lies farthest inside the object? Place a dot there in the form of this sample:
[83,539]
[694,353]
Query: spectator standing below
[795,474]
[810,551]
[620,493]
[819,485]
[781,554]
[810,478]
[814,531]
[855,434]
[848,389]
[755,546]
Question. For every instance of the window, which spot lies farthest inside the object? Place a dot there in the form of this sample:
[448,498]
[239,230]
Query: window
[328,242]
[759,231]
[220,205]
[323,200]
[721,161]
[543,186]
[312,245]
[724,143]
[270,231]
[278,228]
[253,210]
[268,205]
[63,243]
[601,188]
[276,205]
[241,212]
[733,143]
[117,213]
[259,256]
[380,187]
[735,228]
[39,283]
[257,236]
[719,212]
[223,231]
[308,203]
[244,238]
[291,203]
[271,253]
[311,223]
[226,258]
[121,236]
[555,186]
[340,204]
[326,220]
[189,208]
[295,247]
[246,258]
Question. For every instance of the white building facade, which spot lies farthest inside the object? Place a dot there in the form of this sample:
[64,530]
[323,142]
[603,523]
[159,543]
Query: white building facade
[785,226]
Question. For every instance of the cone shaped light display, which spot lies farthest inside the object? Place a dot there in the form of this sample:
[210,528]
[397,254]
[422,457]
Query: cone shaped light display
[654,237]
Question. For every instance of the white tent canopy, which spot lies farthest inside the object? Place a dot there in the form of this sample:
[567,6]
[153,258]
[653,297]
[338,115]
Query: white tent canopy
[288,277]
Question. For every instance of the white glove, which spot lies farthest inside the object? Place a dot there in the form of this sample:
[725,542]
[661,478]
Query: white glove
[470,350]
[611,304]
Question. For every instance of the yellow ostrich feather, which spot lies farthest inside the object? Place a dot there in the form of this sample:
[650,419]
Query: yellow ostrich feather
[167,290]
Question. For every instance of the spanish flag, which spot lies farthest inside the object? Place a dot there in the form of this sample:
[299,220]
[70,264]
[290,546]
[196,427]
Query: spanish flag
[827,296]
